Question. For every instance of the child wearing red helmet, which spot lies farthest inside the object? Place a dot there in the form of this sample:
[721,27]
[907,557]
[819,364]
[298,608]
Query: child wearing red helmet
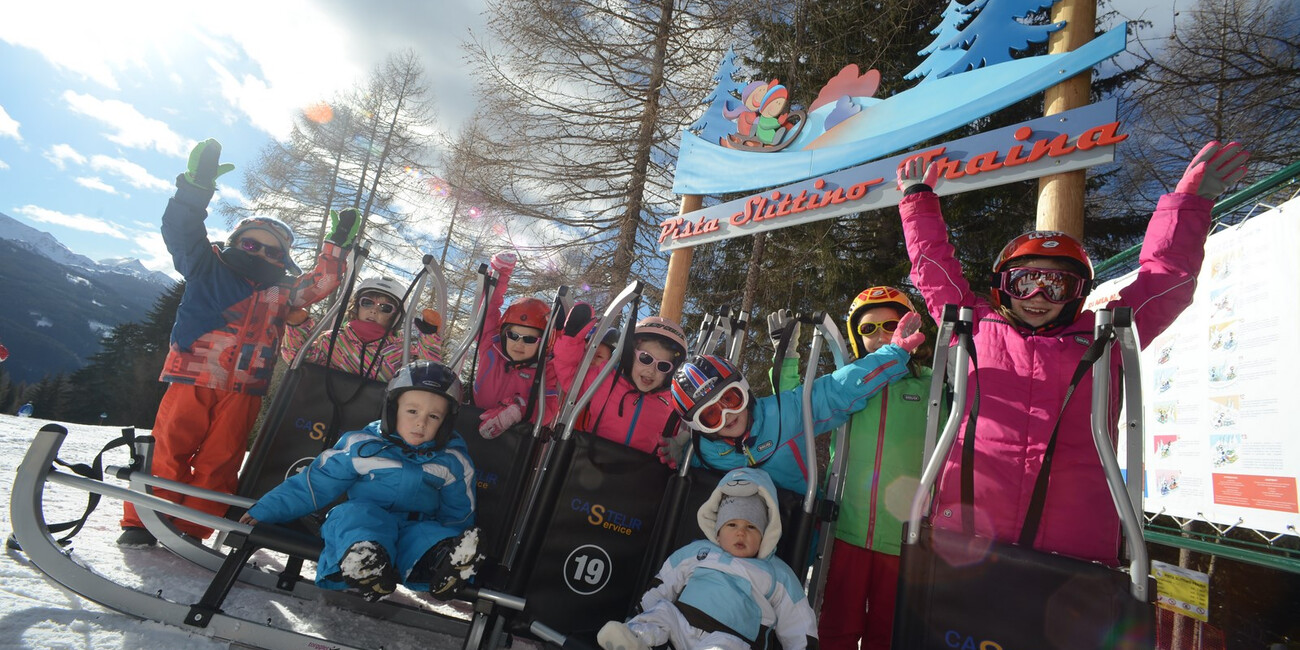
[1030,336]
[508,350]
[632,406]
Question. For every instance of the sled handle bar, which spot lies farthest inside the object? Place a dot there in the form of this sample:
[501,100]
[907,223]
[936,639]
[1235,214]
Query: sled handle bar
[576,402]
[477,317]
[358,256]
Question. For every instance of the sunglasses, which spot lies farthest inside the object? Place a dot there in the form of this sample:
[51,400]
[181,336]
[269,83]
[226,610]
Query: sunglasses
[867,328]
[1055,285]
[711,417]
[383,307]
[645,359]
[273,253]
[527,339]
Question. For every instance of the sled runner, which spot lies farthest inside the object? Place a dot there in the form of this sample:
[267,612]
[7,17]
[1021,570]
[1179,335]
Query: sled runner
[785,137]
[954,585]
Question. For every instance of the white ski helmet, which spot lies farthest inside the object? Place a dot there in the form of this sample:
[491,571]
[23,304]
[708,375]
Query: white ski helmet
[386,286]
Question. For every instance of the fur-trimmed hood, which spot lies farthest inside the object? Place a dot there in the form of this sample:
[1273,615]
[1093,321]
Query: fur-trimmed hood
[743,482]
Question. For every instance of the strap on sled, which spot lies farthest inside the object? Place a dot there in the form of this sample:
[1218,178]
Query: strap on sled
[95,471]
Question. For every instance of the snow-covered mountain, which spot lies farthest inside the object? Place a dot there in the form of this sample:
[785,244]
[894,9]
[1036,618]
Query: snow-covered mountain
[46,245]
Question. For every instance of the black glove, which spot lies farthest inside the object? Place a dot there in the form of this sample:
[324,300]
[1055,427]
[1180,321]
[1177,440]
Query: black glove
[344,226]
[578,318]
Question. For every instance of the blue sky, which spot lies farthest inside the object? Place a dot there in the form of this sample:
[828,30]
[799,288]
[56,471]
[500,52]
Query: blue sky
[99,107]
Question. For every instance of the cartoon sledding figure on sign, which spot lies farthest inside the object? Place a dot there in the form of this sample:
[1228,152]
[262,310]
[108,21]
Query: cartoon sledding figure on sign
[762,123]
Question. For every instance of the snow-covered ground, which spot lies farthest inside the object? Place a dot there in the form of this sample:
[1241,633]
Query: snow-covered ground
[37,614]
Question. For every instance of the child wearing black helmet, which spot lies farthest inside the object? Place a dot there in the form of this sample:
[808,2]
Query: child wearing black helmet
[392,530]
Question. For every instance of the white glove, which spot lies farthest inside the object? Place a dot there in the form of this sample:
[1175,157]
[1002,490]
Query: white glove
[914,172]
[776,322]
[670,449]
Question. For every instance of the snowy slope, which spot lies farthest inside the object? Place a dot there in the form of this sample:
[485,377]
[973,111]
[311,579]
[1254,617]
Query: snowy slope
[36,614]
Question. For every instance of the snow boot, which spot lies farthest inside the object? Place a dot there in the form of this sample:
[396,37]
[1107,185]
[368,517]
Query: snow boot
[618,636]
[449,564]
[136,536]
[366,567]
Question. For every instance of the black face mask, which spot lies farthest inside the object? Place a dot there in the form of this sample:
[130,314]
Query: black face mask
[253,267]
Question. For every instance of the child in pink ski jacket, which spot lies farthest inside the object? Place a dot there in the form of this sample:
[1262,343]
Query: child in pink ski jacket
[633,406]
[508,350]
[1030,337]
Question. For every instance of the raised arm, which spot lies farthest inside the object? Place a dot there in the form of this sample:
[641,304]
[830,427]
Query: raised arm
[935,270]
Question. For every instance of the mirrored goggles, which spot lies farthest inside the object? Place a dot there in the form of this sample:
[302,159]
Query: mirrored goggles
[1057,286]
[711,417]
[867,328]
[646,359]
[273,253]
[383,307]
[526,338]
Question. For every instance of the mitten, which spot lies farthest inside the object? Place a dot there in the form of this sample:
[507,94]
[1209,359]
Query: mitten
[671,448]
[429,322]
[776,322]
[344,226]
[503,262]
[1214,169]
[915,176]
[578,317]
[908,335]
[296,316]
[494,421]
[204,167]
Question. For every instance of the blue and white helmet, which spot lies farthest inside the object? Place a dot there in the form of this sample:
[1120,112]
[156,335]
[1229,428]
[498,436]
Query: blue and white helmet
[428,376]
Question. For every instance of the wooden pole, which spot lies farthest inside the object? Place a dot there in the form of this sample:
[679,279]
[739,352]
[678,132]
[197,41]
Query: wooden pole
[679,268]
[1060,196]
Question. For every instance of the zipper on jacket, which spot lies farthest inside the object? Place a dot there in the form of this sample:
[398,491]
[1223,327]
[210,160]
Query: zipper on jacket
[875,476]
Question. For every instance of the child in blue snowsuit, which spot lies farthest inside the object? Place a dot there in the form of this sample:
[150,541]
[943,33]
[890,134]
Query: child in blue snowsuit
[727,592]
[410,484]
[735,430]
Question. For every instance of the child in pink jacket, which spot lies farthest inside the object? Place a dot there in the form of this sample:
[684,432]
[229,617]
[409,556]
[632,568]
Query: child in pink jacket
[1029,337]
[508,350]
[633,406]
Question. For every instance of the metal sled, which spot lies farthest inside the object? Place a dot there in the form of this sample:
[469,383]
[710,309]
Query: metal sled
[956,589]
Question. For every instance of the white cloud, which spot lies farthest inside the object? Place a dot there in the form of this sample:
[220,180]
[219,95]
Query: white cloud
[94,183]
[133,129]
[151,250]
[231,195]
[73,221]
[135,175]
[4,165]
[8,126]
[60,154]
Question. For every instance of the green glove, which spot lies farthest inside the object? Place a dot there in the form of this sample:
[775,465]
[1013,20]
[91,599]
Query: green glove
[203,169]
[344,226]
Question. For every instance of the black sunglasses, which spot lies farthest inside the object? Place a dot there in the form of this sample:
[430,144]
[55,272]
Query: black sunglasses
[527,339]
[384,307]
[273,253]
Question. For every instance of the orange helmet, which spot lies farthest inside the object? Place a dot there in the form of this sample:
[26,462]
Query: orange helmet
[1044,243]
[526,312]
[873,297]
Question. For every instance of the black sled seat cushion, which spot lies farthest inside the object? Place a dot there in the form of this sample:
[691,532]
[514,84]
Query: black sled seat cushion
[501,470]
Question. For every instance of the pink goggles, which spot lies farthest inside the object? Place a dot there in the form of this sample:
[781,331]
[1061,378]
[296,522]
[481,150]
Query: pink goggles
[1055,285]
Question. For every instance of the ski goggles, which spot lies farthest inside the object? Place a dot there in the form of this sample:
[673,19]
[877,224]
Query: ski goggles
[867,328]
[273,253]
[1055,285]
[527,339]
[646,359]
[383,307]
[711,417]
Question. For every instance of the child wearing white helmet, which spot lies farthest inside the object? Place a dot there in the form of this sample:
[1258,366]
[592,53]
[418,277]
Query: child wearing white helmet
[369,343]
[633,406]
[728,591]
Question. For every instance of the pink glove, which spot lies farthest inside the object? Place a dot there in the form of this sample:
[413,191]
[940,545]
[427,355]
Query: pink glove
[670,449]
[494,421]
[503,262]
[914,172]
[908,335]
[1214,169]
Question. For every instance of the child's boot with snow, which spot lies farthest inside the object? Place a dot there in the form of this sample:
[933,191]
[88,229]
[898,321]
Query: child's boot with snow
[449,564]
[366,567]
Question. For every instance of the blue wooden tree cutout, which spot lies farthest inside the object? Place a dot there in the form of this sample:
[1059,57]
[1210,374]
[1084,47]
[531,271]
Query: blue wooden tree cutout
[950,24]
[991,38]
[713,124]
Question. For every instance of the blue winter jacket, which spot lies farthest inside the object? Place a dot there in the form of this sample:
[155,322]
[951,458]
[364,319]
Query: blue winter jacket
[775,440]
[407,499]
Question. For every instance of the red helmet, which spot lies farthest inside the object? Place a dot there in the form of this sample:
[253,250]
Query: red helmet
[526,312]
[1044,243]
[873,297]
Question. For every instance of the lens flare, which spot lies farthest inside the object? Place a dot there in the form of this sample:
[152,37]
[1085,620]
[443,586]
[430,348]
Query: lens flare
[320,113]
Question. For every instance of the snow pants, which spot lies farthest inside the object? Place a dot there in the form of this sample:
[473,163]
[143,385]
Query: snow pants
[406,540]
[200,436]
[861,590]
[664,623]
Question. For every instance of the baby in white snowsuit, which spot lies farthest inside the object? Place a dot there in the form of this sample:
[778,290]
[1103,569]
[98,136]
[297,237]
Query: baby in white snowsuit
[729,591]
